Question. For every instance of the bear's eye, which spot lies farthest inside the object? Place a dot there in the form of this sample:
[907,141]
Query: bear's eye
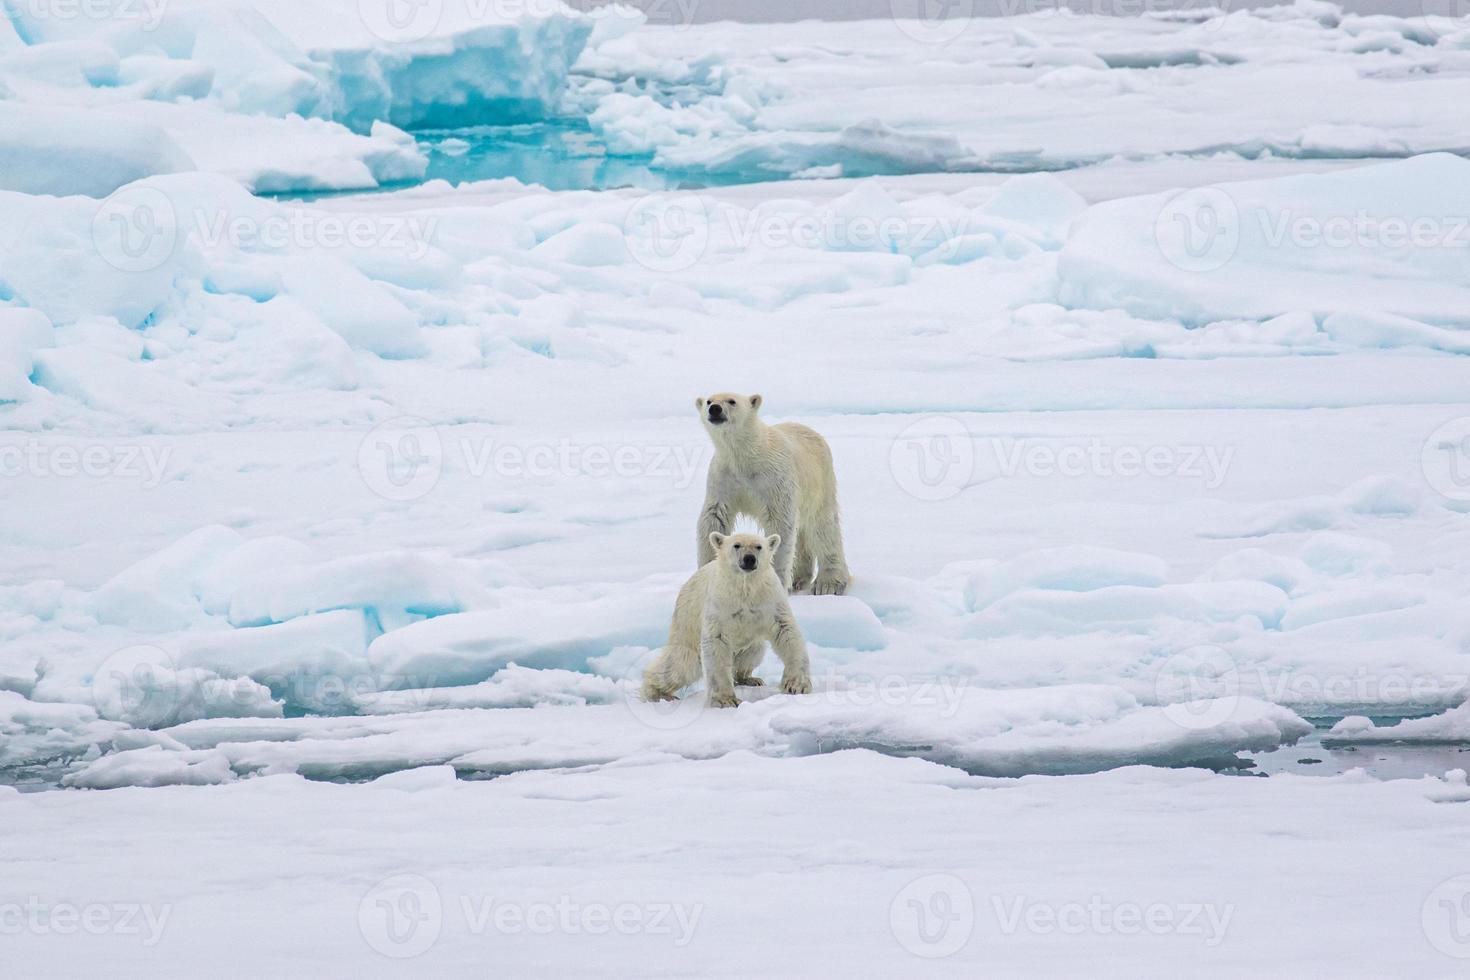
[738,547]
[730,401]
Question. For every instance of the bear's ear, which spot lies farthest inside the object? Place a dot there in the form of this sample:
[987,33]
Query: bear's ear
[716,540]
[755,402]
[773,542]
[699,404]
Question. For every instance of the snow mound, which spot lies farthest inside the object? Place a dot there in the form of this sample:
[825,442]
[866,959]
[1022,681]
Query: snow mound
[1369,241]
[152,766]
[22,333]
[76,151]
[512,687]
[531,630]
[33,732]
[458,63]
[1075,568]
[838,621]
[1449,728]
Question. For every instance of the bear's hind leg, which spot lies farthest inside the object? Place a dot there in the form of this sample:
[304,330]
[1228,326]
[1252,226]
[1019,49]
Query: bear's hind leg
[674,668]
[804,564]
[746,661]
[825,539]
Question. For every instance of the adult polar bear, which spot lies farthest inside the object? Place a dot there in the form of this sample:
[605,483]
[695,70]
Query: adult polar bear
[780,475]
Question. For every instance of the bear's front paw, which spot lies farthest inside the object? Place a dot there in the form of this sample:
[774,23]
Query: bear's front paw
[830,585]
[724,700]
[749,682]
[801,684]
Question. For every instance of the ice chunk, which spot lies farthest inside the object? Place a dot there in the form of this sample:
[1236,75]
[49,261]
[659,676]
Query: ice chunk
[1359,600]
[513,687]
[417,780]
[22,332]
[1040,201]
[314,663]
[1075,568]
[152,766]
[1286,573]
[1333,553]
[531,630]
[73,258]
[1130,607]
[1448,728]
[1340,242]
[586,243]
[457,64]
[388,584]
[63,151]
[161,592]
[1067,729]
[146,687]
[838,621]
[365,314]
[33,732]
[1386,330]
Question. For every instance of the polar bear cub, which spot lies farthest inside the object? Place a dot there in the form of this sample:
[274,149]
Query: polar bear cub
[724,616]
[780,475]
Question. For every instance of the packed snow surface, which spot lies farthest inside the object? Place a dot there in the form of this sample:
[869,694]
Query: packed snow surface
[1152,456]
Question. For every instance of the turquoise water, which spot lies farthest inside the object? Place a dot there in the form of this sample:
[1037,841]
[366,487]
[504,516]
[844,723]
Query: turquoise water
[562,156]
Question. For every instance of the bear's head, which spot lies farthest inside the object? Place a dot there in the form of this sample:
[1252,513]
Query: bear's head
[744,553]
[727,411]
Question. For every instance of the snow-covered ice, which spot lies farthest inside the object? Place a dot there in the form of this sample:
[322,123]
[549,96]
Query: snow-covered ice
[338,529]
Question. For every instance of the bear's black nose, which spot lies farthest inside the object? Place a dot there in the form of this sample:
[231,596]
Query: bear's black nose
[748,563]
[715,411]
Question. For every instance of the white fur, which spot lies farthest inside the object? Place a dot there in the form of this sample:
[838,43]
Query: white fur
[723,619]
[782,476]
